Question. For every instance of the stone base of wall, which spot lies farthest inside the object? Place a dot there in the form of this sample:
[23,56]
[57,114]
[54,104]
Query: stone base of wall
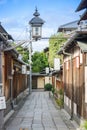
[76,118]
[8,107]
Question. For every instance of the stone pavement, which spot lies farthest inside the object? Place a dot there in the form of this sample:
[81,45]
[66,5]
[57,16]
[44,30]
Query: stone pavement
[39,113]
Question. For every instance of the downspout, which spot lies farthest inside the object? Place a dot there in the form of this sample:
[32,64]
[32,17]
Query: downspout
[71,66]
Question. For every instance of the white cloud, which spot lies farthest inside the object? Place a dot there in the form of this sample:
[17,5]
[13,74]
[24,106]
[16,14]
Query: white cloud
[40,45]
[48,31]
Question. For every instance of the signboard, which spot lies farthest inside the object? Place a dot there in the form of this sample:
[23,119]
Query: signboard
[28,72]
[47,70]
[2,103]
[23,69]
[56,64]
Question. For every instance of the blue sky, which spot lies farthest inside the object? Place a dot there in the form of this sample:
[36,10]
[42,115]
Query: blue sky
[15,15]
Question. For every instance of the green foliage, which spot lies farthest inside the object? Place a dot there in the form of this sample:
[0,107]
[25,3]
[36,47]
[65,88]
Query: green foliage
[60,102]
[53,90]
[59,97]
[84,125]
[24,52]
[48,87]
[60,91]
[39,61]
[54,45]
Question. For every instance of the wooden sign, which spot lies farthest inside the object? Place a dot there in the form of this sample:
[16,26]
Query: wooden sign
[2,103]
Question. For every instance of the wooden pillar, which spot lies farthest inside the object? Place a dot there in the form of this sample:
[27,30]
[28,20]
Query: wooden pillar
[1,85]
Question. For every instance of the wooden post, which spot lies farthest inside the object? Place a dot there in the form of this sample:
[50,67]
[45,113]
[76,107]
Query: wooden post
[1,111]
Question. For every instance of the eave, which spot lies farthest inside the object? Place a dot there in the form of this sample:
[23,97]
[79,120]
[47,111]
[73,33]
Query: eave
[83,17]
[78,36]
[82,5]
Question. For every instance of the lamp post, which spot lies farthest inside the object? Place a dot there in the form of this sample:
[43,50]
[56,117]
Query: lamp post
[35,33]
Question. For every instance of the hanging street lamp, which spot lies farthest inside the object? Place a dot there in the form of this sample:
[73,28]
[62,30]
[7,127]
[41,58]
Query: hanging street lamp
[35,34]
[36,24]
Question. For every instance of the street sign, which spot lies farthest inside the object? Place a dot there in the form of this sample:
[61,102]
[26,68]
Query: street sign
[2,103]
[56,64]
[47,70]
[23,69]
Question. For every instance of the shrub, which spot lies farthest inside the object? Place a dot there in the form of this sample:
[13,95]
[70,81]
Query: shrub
[60,91]
[48,87]
[84,125]
[59,102]
[53,90]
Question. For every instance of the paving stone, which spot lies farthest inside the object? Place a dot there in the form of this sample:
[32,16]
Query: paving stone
[50,128]
[39,113]
[37,128]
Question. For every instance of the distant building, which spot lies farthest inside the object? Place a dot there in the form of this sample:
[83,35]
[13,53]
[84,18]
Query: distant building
[69,27]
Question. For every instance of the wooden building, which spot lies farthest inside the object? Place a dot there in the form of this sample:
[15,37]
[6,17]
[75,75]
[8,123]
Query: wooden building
[39,80]
[74,54]
[13,82]
[4,37]
[68,28]
[57,79]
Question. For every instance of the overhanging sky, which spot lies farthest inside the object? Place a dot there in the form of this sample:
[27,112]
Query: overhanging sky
[15,15]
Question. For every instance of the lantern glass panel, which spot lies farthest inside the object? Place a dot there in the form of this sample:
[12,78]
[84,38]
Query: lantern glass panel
[36,32]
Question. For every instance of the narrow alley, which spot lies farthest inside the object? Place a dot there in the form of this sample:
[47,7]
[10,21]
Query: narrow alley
[39,113]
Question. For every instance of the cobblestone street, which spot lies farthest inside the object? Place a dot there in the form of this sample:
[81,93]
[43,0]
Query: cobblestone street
[39,113]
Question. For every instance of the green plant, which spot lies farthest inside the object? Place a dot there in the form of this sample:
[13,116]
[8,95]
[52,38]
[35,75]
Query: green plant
[84,125]
[48,87]
[59,97]
[60,91]
[53,90]
[60,102]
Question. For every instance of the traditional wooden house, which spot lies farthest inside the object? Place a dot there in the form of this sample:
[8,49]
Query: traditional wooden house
[4,37]
[40,79]
[68,28]
[57,79]
[13,82]
[74,54]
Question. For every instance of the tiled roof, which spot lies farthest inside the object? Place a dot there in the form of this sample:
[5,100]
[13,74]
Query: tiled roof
[84,16]
[82,5]
[79,36]
[3,31]
[83,46]
[72,25]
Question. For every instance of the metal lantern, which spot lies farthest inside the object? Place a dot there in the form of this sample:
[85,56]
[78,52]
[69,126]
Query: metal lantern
[36,23]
